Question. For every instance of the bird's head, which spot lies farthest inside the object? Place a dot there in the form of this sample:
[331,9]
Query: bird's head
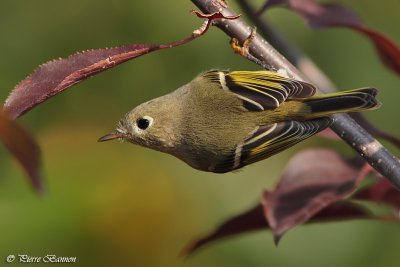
[154,124]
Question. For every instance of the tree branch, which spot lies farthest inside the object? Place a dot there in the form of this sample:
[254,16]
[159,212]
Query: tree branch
[351,132]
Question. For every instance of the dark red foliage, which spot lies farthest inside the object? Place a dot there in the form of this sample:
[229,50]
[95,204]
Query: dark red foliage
[312,180]
[55,76]
[23,147]
[254,219]
[342,210]
[314,187]
[380,192]
[321,15]
[317,14]
[251,220]
[388,51]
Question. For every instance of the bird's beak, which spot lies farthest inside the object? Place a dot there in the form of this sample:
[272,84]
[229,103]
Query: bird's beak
[111,136]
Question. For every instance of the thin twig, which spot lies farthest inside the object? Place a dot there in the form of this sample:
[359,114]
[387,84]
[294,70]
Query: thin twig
[365,145]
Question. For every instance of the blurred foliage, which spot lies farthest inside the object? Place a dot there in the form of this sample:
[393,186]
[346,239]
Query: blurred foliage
[114,204]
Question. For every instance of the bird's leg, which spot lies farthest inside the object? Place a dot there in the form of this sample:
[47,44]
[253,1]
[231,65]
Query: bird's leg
[244,50]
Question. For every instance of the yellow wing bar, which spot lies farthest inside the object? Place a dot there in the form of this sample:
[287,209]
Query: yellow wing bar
[261,90]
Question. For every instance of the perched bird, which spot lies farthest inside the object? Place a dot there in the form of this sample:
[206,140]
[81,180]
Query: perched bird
[222,121]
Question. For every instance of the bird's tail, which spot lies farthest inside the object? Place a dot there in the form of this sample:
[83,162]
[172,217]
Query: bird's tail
[340,102]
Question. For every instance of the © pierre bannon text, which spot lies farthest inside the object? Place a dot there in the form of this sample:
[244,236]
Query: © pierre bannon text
[50,258]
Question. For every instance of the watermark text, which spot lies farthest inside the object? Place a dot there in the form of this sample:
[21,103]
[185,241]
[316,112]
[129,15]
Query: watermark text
[49,258]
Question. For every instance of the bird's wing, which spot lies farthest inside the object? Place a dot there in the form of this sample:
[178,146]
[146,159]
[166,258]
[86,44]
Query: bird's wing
[261,90]
[268,140]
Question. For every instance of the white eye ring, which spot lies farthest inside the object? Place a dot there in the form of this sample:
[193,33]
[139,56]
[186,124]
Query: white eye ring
[142,124]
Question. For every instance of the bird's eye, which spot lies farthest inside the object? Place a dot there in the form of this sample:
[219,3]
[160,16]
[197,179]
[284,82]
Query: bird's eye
[143,123]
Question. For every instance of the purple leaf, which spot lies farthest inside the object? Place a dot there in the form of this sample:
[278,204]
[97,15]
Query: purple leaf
[55,76]
[313,180]
[321,15]
[254,219]
[388,51]
[318,15]
[311,189]
[249,221]
[380,192]
[340,211]
[23,147]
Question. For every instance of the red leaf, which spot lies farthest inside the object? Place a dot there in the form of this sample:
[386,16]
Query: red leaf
[342,210]
[388,51]
[254,220]
[312,181]
[320,15]
[23,147]
[382,192]
[249,221]
[55,76]
[311,189]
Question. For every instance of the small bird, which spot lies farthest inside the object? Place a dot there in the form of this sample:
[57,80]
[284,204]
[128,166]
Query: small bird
[222,121]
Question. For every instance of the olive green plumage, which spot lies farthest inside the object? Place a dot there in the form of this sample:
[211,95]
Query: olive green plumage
[222,121]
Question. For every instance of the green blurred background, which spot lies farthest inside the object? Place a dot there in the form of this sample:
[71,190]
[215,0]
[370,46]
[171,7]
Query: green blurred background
[113,204]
